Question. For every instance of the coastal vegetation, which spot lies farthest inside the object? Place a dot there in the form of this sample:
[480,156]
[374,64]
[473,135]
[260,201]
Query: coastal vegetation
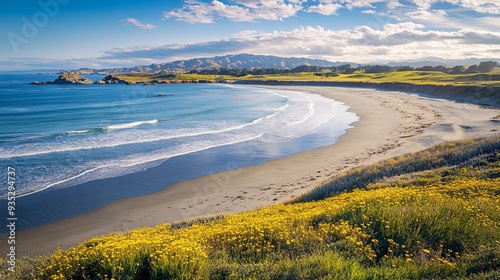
[483,88]
[483,67]
[418,78]
[433,214]
[407,77]
[363,74]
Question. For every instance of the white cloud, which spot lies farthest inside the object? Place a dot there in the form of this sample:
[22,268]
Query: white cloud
[368,12]
[325,9]
[426,15]
[135,22]
[362,44]
[458,17]
[350,4]
[442,20]
[251,10]
[231,12]
[394,4]
[424,4]
[399,41]
[208,11]
[194,12]
[480,6]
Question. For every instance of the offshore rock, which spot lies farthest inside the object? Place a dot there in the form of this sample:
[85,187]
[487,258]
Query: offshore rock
[72,78]
[111,79]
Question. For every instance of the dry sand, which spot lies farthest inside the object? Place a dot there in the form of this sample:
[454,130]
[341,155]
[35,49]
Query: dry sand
[391,123]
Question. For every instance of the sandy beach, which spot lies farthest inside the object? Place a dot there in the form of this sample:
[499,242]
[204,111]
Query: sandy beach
[391,123]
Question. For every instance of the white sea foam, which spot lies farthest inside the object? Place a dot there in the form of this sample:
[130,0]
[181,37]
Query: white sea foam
[121,139]
[130,124]
[306,116]
[73,132]
[133,163]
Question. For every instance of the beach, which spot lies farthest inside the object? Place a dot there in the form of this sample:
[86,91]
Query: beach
[391,123]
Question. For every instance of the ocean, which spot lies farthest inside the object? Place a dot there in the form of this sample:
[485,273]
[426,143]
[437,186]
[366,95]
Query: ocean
[61,138]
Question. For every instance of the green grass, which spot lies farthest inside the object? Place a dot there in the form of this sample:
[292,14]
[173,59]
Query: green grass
[409,77]
[441,156]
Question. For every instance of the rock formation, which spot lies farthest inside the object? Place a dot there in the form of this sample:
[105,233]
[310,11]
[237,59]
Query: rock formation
[72,78]
[111,79]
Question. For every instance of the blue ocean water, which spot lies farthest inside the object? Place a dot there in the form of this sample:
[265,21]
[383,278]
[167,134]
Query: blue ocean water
[59,136]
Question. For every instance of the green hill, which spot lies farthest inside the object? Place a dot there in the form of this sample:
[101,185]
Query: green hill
[434,214]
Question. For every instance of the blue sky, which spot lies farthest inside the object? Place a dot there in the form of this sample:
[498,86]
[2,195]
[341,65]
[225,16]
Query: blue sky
[68,34]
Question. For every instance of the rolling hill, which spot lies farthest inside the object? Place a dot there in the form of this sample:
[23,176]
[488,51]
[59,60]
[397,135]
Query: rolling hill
[237,61]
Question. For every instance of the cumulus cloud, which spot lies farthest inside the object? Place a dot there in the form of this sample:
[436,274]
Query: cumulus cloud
[135,22]
[483,16]
[362,44]
[480,6]
[426,15]
[204,11]
[442,20]
[207,12]
[325,9]
[350,4]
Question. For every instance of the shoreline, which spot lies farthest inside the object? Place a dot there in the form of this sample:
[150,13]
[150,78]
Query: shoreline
[390,124]
[481,95]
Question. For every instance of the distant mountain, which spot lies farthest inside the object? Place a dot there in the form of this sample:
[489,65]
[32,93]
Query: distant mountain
[251,61]
[238,61]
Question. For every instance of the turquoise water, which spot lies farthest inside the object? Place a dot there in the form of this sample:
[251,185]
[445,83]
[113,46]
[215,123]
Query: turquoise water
[59,136]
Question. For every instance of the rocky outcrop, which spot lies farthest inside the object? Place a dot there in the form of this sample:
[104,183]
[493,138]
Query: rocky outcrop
[37,83]
[111,79]
[159,82]
[72,78]
[67,78]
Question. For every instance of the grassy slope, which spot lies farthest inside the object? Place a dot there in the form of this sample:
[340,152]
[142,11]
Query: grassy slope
[410,77]
[432,214]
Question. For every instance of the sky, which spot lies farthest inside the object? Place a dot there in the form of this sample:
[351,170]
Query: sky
[69,34]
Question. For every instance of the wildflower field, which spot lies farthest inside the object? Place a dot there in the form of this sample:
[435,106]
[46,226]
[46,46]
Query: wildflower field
[428,215]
